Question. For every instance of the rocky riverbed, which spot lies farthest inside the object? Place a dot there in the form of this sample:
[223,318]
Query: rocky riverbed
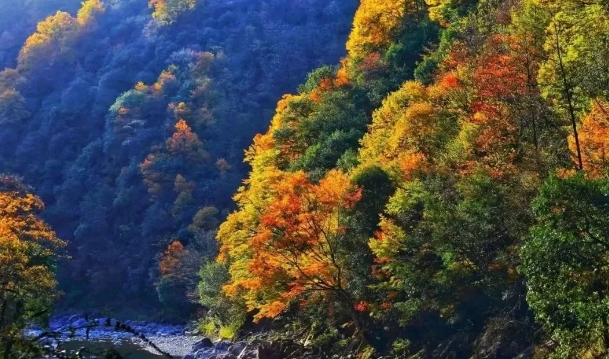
[173,340]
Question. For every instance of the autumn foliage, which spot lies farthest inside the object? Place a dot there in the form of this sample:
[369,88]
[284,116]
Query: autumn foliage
[439,193]
[166,11]
[376,23]
[297,243]
[171,259]
[594,139]
[29,250]
[450,163]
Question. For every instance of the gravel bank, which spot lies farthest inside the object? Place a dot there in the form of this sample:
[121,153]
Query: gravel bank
[178,346]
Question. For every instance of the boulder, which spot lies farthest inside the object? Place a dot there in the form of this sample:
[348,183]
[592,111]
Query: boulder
[202,344]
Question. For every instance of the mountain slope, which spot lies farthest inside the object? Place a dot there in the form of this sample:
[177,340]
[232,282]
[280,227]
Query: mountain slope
[438,193]
[105,106]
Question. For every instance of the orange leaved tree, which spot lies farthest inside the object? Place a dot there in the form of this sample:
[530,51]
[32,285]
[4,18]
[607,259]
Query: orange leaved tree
[593,139]
[300,246]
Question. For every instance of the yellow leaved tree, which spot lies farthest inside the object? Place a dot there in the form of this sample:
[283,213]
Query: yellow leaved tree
[375,24]
[28,252]
[166,11]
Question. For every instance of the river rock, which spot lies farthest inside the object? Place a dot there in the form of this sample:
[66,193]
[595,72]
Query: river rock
[167,331]
[237,348]
[151,328]
[79,323]
[140,323]
[203,343]
[223,346]
[206,353]
[47,342]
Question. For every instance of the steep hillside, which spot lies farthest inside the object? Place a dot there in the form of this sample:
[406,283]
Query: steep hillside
[439,194]
[130,119]
[18,21]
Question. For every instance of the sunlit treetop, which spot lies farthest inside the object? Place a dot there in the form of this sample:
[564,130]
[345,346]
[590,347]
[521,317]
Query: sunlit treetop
[167,11]
[57,28]
[55,34]
[88,10]
[375,24]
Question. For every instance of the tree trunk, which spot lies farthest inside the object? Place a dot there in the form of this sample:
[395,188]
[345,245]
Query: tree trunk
[569,96]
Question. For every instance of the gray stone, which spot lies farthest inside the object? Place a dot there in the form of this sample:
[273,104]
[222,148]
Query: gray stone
[202,344]
[237,348]
[151,328]
[223,345]
[166,331]
[204,353]
[79,323]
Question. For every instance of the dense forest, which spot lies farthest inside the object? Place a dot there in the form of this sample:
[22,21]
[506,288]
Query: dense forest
[441,191]
[130,120]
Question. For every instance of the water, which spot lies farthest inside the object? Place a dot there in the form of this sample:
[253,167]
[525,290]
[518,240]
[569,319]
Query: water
[127,350]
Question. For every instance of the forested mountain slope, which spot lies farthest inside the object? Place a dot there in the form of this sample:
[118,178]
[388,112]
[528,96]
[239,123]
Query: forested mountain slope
[130,119]
[18,21]
[442,193]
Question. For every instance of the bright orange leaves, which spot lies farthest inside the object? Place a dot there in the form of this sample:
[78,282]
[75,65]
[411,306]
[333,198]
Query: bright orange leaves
[295,246]
[594,139]
[184,141]
[183,145]
[171,258]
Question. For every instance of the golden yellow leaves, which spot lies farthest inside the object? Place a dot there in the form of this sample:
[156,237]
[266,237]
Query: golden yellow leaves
[88,10]
[167,11]
[28,250]
[374,24]
[56,32]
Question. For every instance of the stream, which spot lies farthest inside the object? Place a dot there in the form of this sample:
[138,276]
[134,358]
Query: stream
[148,340]
[102,335]
[127,350]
